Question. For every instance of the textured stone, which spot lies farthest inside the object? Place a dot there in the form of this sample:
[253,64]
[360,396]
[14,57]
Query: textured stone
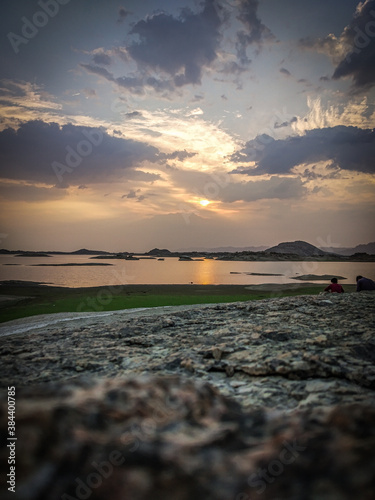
[168,438]
[203,403]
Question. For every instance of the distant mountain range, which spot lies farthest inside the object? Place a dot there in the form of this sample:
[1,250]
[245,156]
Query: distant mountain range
[82,251]
[224,249]
[366,248]
[299,248]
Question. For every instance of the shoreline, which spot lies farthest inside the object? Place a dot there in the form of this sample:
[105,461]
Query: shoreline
[29,299]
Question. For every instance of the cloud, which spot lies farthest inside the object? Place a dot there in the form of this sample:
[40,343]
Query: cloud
[102,58]
[349,148]
[29,193]
[178,47]
[176,155]
[274,188]
[136,84]
[359,62]
[141,176]
[285,72]
[133,114]
[173,51]
[255,31]
[88,155]
[122,14]
[132,194]
[98,70]
[286,123]
[219,186]
[357,112]
[353,52]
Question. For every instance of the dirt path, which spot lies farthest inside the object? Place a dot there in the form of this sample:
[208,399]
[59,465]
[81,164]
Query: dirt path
[37,323]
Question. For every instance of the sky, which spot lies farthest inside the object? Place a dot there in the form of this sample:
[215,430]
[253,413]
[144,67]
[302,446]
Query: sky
[180,124]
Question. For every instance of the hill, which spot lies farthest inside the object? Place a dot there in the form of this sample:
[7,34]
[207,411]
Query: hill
[364,248]
[300,248]
[224,249]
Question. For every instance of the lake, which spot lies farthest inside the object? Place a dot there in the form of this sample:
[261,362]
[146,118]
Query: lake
[169,271]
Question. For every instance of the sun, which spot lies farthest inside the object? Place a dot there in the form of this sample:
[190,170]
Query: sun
[204,203]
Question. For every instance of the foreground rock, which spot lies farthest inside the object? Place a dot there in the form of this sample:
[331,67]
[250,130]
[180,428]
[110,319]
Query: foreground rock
[138,408]
[170,439]
[283,353]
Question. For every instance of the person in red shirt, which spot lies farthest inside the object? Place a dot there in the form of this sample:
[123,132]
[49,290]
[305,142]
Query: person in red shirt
[334,287]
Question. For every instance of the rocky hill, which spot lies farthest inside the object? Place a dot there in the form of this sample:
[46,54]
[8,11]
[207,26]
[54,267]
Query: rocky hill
[300,248]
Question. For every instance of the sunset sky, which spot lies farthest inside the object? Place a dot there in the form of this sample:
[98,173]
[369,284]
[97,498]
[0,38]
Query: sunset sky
[127,125]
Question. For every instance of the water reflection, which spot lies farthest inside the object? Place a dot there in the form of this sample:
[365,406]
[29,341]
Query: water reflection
[171,271]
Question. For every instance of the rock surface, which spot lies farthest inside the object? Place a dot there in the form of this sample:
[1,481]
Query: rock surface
[282,353]
[138,407]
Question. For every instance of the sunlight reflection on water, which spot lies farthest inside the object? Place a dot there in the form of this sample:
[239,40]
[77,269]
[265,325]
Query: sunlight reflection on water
[169,271]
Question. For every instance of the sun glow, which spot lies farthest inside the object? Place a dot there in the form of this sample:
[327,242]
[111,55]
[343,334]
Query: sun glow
[204,203]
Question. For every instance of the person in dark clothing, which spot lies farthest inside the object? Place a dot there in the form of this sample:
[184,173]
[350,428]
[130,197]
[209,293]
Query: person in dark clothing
[334,287]
[364,284]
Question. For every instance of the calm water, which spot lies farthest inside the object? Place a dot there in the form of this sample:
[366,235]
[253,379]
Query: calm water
[170,271]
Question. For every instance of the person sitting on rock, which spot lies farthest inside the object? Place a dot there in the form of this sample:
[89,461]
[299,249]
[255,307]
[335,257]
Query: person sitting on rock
[364,284]
[334,287]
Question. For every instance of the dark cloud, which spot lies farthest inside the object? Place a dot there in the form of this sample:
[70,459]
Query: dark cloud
[353,52]
[359,62]
[348,148]
[132,194]
[133,114]
[284,71]
[98,70]
[274,188]
[285,124]
[281,125]
[176,155]
[70,155]
[122,14]
[255,31]
[179,47]
[102,58]
[135,84]
[171,51]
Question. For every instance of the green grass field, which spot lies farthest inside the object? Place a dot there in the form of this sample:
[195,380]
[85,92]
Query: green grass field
[30,299]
